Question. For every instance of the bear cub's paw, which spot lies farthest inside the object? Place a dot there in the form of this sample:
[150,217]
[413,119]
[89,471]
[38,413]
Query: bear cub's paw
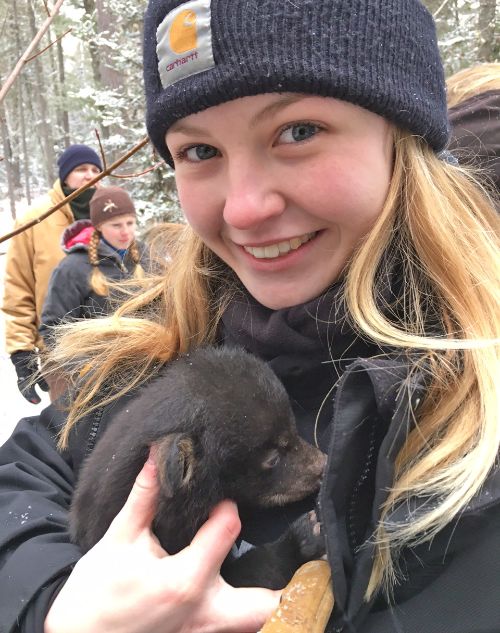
[309,537]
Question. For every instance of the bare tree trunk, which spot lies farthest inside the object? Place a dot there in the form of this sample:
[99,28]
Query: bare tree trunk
[43,111]
[26,156]
[95,54]
[52,74]
[13,125]
[34,147]
[21,112]
[90,10]
[486,24]
[111,78]
[34,42]
[7,152]
[9,111]
[456,13]
[9,116]
[62,83]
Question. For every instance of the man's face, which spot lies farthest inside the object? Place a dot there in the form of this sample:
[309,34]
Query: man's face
[81,175]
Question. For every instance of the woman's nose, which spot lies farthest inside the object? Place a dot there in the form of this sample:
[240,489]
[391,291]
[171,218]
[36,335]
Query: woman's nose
[252,196]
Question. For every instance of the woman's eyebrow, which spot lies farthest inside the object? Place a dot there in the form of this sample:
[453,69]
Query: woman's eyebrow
[182,128]
[268,111]
[273,108]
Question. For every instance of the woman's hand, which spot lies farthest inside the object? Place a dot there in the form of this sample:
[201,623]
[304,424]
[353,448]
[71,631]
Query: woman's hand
[128,584]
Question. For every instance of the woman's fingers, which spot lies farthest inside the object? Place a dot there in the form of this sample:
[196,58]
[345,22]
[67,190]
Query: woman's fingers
[134,587]
[189,583]
[138,512]
[223,607]
[213,541]
[245,609]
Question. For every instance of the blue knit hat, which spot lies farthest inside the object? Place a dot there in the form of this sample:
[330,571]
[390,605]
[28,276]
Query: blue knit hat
[379,54]
[76,155]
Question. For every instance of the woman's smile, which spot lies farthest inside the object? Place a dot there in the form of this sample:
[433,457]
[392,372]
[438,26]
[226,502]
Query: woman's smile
[279,248]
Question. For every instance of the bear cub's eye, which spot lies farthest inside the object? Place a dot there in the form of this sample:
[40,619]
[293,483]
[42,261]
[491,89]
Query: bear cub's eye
[272,459]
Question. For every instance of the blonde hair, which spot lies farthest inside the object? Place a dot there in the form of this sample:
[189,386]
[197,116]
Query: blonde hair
[442,229]
[472,81]
[98,281]
[160,238]
[436,225]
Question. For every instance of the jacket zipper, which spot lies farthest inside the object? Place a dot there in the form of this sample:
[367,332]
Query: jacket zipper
[94,429]
[353,522]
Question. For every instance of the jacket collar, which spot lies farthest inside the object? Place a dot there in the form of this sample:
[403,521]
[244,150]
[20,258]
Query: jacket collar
[57,195]
[376,400]
[71,242]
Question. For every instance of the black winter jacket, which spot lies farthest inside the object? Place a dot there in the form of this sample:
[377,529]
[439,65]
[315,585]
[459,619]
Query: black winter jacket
[475,132]
[69,295]
[448,586]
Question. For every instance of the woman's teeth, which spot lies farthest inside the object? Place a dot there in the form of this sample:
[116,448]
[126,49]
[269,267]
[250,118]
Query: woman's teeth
[275,250]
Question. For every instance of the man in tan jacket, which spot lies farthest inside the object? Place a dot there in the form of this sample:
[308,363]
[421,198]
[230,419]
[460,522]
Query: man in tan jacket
[31,257]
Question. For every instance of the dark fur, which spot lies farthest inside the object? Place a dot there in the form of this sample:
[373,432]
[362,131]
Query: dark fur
[223,428]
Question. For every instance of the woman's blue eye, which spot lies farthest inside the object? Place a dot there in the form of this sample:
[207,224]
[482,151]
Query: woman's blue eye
[298,132]
[200,152]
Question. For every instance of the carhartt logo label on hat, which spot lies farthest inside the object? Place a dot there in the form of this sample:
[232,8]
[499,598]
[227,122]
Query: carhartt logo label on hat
[184,42]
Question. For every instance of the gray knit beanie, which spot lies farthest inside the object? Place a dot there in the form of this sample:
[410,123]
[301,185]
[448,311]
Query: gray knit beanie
[379,54]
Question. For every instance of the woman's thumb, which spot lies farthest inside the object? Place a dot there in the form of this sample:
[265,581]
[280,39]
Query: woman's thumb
[139,509]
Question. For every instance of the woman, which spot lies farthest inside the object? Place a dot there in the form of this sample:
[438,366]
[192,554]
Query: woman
[329,236]
[100,250]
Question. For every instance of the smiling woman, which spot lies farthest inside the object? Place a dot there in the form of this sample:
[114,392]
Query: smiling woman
[327,236]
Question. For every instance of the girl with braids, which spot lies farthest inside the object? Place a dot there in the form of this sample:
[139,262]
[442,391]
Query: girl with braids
[99,251]
[331,235]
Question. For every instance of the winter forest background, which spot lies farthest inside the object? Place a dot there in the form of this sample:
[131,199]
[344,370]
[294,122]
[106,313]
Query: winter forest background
[90,79]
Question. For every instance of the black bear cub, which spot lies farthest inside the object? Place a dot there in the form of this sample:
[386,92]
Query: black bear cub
[223,428]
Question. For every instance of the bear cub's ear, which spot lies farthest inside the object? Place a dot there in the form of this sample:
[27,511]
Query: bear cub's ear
[176,462]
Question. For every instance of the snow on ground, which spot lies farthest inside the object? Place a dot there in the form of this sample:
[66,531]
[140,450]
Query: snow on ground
[12,405]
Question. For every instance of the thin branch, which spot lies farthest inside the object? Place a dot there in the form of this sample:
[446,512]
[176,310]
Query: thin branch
[440,9]
[48,46]
[77,192]
[4,22]
[103,155]
[124,176]
[136,175]
[45,4]
[22,61]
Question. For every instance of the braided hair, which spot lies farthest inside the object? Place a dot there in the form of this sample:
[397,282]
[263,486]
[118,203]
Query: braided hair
[98,281]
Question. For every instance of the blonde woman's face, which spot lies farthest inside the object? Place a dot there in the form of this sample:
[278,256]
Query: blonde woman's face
[282,187]
[120,231]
